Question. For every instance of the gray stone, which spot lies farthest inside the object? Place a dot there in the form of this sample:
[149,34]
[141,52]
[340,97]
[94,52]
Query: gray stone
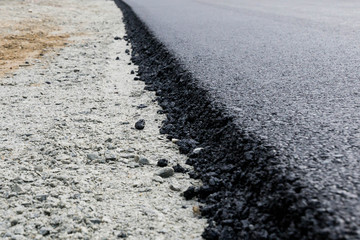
[16,188]
[197,150]
[14,221]
[44,231]
[38,168]
[136,158]
[133,165]
[93,156]
[41,197]
[95,221]
[144,161]
[175,187]
[158,179]
[109,156]
[165,172]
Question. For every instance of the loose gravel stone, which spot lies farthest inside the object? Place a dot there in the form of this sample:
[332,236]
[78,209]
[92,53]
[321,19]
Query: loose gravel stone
[197,150]
[122,235]
[109,156]
[141,106]
[38,168]
[140,125]
[93,156]
[144,161]
[16,188]
[175,187]
[44,231]
[165,172]
[158,179]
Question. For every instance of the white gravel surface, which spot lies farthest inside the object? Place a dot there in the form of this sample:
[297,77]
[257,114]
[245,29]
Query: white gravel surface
[69,152]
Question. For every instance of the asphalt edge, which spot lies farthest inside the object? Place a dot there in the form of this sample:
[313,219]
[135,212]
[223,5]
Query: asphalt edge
[248,191]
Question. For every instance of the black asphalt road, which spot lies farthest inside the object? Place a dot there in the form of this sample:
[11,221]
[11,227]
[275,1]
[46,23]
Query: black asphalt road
[289,71]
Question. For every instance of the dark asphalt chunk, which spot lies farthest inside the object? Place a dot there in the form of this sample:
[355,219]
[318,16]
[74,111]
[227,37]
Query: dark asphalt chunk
[162,163]
[140,125]
[186,145]
[190,193]
[141,106]
[282,164]
[179,169]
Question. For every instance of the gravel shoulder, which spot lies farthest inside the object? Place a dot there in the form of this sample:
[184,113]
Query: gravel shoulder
[72,163]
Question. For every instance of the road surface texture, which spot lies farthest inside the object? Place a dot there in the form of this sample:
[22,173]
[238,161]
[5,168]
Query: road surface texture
[271,91]
[72,163]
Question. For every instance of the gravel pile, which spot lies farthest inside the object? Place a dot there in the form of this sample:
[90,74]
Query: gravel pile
[74,160]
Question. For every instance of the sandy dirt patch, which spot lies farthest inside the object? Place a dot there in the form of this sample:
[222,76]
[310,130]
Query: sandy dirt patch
[26,35]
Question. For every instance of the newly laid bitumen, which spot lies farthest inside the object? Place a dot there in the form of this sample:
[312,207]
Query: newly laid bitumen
[271,92]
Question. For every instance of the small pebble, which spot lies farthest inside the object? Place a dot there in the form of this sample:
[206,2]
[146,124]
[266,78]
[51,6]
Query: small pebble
[14,221]
[122,235]
[109,156]
[133,165]
[158,179]
[16,188]
[44,231]
[142,106]
[41,198]
[38,168]
[196,210]
[197,150]
[93,156]
[165,172]
[136,158]
[162,163]
[95,221]
[144,161]
[175,187]
[140,125]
